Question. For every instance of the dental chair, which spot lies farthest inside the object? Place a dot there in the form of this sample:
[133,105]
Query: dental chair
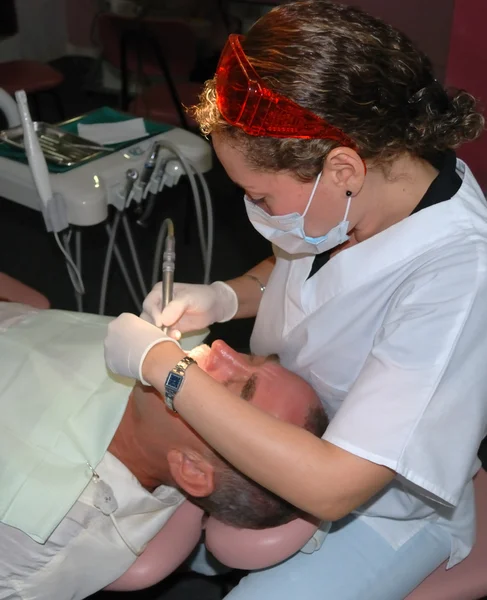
[12,290]
[468,580]
[246,549]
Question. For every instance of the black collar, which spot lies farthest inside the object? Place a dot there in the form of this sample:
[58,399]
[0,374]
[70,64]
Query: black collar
[445,185]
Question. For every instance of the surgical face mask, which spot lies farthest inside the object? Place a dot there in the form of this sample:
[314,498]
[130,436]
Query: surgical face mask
[287,231]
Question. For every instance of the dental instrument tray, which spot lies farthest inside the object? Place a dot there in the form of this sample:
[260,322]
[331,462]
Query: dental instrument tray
[58,146]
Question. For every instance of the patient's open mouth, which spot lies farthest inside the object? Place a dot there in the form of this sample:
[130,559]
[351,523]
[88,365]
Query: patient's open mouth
[200,354]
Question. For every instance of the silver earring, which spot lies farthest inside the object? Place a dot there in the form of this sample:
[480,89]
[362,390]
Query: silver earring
[348,193]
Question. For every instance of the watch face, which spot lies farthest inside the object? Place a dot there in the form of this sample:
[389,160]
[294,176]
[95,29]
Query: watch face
[173,381]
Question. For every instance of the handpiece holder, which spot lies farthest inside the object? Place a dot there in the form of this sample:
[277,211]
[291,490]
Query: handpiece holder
[53,209]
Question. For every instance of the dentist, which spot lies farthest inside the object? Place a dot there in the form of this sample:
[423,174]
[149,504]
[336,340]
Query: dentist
[343,141]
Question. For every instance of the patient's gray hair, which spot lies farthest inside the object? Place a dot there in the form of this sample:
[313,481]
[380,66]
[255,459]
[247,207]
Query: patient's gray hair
[240,502]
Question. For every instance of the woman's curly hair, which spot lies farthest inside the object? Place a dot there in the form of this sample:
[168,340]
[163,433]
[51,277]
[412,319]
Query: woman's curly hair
[360,74]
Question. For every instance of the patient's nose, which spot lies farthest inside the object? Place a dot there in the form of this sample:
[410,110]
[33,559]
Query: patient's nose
[224,362]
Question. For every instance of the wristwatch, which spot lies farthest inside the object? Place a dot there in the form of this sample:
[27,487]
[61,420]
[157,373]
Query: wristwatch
[175,380]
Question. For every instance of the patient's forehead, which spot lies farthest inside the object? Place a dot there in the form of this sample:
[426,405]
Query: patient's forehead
[283,394]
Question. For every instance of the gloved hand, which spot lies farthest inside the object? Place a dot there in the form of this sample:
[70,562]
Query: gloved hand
[193,306]
[127,343]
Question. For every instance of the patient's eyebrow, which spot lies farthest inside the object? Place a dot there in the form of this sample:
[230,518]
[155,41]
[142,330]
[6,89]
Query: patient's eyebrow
[248,389]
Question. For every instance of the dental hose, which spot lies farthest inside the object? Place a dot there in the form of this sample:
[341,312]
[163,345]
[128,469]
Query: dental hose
[113,249]
[206,241]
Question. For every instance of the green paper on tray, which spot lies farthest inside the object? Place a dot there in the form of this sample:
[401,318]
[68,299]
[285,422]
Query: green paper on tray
[101,115]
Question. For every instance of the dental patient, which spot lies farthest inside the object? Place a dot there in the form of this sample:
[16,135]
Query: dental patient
[95,473]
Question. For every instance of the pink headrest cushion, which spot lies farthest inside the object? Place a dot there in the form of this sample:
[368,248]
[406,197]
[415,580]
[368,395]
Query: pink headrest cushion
[165,552]
[251,549]
[246,549]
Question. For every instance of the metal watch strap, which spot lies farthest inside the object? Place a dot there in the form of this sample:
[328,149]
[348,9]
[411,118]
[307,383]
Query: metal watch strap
[174,381]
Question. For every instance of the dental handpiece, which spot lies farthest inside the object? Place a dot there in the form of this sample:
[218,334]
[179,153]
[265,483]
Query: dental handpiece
[149,165]
[131,175]
[168,267]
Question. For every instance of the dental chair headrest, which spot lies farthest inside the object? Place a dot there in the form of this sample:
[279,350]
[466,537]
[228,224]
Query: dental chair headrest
[251,549]
[246,549]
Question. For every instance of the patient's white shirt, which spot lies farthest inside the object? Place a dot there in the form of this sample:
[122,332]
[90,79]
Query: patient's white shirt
[86,551]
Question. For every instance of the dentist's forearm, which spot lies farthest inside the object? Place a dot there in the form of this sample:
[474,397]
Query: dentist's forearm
[310,473]
[248,289]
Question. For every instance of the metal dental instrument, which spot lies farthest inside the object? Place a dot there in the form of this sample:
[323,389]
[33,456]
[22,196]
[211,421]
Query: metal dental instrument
[168,266]
[93,147]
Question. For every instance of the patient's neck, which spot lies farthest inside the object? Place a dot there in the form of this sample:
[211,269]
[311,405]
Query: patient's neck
[132,447]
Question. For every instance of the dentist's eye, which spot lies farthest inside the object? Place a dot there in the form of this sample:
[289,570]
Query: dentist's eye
[260,202]
[257,201]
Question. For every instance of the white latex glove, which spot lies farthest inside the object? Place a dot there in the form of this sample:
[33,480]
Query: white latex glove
[193,306]
[128,342]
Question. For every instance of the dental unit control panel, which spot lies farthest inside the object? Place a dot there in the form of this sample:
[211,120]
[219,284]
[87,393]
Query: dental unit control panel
[87,190]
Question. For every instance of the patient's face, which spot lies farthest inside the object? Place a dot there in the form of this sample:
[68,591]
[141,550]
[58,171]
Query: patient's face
[171,451]
[260,380]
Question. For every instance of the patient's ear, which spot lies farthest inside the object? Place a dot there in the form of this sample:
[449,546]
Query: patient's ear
[191,472]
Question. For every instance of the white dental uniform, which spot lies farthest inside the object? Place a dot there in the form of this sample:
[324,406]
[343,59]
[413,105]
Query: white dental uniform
[65,534]
[392,334]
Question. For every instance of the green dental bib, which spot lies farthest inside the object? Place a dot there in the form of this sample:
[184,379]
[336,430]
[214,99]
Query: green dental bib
[59,411]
